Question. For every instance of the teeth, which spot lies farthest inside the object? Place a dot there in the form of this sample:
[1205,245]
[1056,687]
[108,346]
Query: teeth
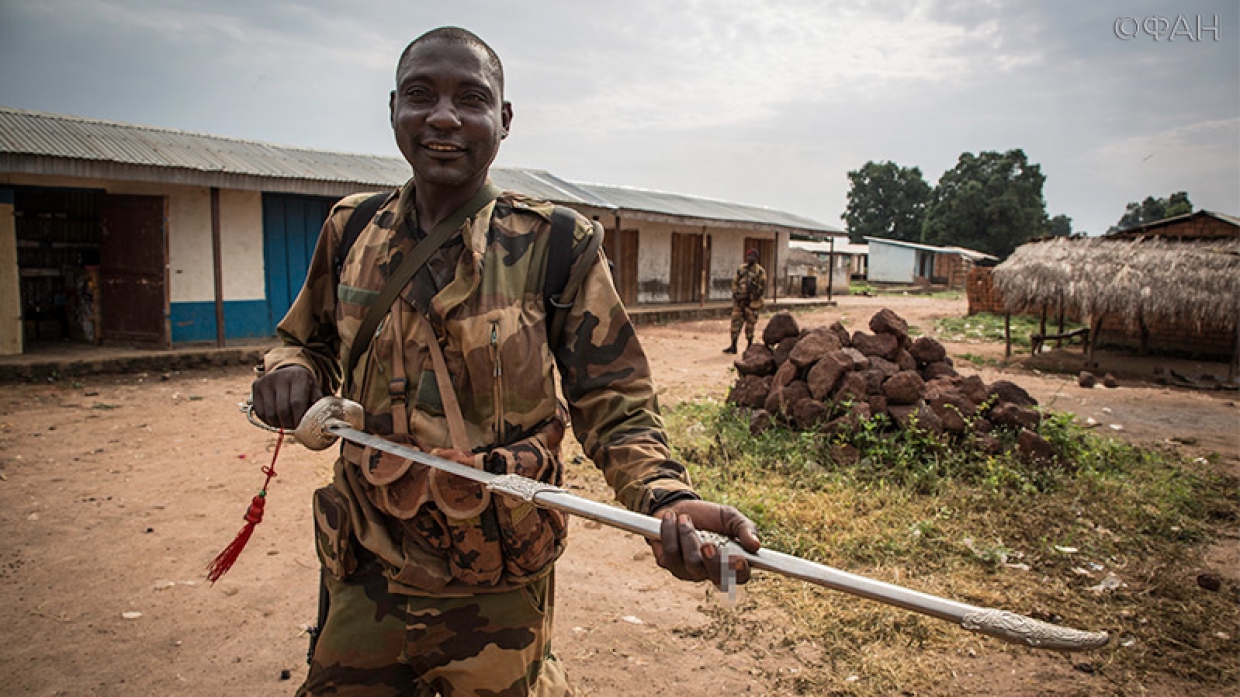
[441,148]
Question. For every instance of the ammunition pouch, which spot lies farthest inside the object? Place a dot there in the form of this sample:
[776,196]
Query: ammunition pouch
[485,540]
[333,533]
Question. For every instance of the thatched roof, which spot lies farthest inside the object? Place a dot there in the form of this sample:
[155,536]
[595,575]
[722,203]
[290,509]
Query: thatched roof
[1126,278]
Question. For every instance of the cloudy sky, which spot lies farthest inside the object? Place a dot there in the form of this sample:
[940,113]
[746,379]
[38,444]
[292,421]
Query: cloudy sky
[763,102]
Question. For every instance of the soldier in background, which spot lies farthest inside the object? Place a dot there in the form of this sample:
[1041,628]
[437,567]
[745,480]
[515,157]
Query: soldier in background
[433,586]
[748,289]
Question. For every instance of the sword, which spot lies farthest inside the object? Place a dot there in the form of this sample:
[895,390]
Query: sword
[332,417]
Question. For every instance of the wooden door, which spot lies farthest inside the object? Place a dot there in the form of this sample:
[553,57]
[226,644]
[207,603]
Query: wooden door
[133,270]
[291,227]
[685,279]
[621,249]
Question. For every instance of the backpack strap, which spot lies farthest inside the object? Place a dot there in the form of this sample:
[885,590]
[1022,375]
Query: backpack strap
[358,220]
[559,286]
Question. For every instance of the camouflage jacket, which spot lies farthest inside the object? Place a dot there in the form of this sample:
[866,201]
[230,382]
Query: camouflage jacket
[749,285]
[482,294]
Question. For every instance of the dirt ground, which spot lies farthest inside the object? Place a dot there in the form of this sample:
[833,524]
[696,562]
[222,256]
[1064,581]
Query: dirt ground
[115,492]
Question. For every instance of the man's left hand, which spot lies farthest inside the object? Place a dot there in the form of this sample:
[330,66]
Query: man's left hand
[681,552]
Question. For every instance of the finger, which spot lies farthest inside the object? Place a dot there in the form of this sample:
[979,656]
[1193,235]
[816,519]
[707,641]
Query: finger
[741,567]
[284,404]
[669,545]
[261,402]
[691,550]
[742,529]
[299,402]
[454,455]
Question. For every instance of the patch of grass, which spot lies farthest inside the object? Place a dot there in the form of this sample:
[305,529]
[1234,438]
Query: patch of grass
[987,327]
[990,530]
[102,406]
[979,360]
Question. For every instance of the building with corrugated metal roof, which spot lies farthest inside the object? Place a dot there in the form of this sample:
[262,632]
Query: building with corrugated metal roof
[119,233]
[900,262]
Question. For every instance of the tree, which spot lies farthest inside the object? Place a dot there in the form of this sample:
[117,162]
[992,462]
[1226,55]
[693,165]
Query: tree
[1060,226]
[886,200]
[991,202]
[1152,210]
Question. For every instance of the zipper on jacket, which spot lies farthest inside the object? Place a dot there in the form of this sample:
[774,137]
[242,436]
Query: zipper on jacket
[497,381]
[360,396]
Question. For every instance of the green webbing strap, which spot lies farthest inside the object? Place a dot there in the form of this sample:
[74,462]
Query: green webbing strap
[416,259]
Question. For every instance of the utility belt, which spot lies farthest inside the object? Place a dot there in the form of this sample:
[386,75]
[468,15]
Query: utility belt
[433,529]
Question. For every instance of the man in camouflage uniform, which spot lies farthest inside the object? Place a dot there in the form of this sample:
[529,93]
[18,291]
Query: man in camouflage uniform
[748,289]
[434,585]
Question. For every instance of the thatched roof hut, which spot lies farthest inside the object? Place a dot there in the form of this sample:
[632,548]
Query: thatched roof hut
[1136,280]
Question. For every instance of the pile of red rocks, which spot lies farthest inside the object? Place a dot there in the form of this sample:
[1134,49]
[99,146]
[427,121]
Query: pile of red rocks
[829,379]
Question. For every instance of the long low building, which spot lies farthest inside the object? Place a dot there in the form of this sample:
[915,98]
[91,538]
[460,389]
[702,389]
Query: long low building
[119,233]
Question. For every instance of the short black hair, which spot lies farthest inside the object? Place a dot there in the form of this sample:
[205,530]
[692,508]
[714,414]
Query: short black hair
[463,37]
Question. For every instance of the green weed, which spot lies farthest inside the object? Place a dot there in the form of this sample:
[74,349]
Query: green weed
[943,517]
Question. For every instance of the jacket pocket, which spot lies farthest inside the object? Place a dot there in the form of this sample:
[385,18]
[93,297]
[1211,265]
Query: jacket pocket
[333,533]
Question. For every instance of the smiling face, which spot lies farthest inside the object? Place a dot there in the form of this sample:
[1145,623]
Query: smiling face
[448,115]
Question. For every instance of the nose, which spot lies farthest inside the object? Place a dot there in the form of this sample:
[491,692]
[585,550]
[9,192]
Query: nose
[444,115]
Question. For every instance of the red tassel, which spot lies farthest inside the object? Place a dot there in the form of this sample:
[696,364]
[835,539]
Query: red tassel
[253,516]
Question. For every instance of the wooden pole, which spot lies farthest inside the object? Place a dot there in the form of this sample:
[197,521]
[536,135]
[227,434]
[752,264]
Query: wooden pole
[1234,368]
[217,257]
[830,268]
[1059,342]
[705,262]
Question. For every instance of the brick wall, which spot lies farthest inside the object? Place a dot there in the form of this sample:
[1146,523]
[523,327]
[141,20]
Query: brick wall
[981,291]
[1171,337]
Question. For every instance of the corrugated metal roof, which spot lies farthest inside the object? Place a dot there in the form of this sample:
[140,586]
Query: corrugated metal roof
[94,147]
[42,135]
[647,200]
[1157,225]
[962,251]
[841,247]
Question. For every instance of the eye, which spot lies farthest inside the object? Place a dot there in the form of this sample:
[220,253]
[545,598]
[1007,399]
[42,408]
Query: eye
[417,93]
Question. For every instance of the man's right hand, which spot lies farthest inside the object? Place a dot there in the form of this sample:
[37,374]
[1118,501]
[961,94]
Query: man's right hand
[282,396]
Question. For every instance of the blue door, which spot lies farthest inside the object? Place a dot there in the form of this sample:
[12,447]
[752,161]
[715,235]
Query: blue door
[290,230]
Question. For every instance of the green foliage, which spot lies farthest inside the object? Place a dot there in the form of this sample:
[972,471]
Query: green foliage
[1152,210]
[978,360]
[950,520]
[987,327]
[886,200]
[1060,226]
[990,202]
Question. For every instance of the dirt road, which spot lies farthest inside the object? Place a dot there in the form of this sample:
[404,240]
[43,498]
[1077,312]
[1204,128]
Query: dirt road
[115,491]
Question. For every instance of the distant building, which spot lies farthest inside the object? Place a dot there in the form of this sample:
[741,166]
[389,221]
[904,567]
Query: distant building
[910,263]
[119,233]
[835,258]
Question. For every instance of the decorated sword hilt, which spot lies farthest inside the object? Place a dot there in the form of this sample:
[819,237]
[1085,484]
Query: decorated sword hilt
[312,430]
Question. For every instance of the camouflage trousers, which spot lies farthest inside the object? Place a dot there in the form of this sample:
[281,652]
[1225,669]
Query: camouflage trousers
[743,314]
[379,644]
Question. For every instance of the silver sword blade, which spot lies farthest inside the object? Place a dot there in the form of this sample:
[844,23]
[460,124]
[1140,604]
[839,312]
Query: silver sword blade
[1000,624]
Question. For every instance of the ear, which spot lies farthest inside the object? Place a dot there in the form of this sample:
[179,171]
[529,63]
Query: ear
[392,107]
[505,114]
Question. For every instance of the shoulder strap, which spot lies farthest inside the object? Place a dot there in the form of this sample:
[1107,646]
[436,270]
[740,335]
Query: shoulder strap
[358,220]
[416,259]
[559,287]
